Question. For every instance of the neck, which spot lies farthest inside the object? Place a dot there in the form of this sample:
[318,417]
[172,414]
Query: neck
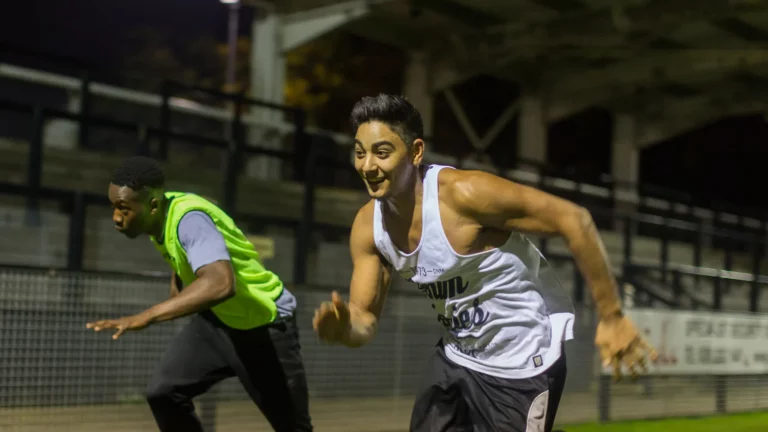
[405,203]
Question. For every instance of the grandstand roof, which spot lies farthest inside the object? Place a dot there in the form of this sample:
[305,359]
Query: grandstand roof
[690,60]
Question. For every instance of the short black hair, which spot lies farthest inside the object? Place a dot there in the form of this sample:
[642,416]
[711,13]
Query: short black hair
[139,172]
[393,110]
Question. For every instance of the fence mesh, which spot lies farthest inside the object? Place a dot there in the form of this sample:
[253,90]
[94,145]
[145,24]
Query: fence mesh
[57,375]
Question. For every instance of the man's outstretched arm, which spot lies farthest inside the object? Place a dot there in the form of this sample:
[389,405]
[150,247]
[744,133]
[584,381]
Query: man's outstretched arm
[208,256]
[498,203]
[354,324]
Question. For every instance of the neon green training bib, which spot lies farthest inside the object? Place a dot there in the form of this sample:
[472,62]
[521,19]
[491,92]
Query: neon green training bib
[256,288]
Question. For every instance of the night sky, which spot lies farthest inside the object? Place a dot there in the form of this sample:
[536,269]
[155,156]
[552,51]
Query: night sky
[719,162]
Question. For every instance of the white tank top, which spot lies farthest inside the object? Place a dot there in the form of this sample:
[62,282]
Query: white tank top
[503,310]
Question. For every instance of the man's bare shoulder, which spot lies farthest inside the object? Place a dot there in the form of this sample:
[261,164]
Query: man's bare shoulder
[365,213]
[463,187]
[361,237]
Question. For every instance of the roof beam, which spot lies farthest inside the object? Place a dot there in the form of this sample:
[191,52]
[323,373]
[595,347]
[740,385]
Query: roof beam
[469,16]
[301,27]
[658,132]
[679,66]
[677,117]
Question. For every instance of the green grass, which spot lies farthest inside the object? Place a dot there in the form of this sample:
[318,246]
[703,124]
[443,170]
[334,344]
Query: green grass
[749,422]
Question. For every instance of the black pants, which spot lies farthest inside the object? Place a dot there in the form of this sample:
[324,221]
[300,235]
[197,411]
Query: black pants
[267,360]
[457,399]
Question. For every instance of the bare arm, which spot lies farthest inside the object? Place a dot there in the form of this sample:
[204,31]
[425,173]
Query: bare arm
[215,283]
[371,278]
[499,203]
[355,324]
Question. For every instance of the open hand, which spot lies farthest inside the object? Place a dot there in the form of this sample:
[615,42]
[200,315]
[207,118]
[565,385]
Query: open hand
[620,344]
[331,321]
[133,322]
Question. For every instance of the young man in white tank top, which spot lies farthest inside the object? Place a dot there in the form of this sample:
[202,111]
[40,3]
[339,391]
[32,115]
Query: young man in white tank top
[458,236]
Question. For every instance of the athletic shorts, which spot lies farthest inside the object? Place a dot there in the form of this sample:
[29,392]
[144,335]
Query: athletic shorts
[458,399]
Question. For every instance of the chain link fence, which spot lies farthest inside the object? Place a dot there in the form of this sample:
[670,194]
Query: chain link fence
[57,375]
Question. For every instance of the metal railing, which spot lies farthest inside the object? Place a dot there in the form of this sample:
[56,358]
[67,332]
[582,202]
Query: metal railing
[652,198]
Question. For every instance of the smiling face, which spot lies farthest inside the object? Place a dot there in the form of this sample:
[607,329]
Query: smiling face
[385,162]
[132,212]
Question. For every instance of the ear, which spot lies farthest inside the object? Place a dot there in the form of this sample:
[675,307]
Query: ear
[417,151]
[154,203]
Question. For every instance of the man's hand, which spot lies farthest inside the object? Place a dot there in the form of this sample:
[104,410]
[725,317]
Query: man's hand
[332,320]
[620,344]
[133,322]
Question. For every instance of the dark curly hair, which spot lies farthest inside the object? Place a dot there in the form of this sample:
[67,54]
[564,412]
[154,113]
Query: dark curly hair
[139,172]
[394,111]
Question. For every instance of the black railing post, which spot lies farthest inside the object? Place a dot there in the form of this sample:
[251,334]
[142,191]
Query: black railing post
[677,287]
[728,263]
[142,136]
[604,398]
[698,246]
[76,241]
[165,120]
[35,166]
[85,110]
[304,147]
[717,293]
[754,291]
[628,230]
[721,394]
[235,153]
[664,250]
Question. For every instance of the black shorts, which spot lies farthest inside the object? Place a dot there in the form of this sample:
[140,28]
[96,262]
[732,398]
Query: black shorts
[457,399]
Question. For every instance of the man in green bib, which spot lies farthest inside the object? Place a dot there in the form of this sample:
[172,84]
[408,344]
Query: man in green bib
[243,323]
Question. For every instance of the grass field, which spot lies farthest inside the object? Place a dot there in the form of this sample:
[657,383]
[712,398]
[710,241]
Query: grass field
[751,422]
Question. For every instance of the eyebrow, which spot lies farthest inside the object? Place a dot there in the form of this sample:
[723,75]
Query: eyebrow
[376,144]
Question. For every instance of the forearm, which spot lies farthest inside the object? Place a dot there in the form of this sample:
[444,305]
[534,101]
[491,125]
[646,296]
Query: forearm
[591,258]
[200,295]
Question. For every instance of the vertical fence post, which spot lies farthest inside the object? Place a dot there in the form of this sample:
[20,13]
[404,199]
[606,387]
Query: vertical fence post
[721,389]
[142,136]
[677,288]
[664,251]
[727,264]
[306,151]
[76,243]
[604,398]
[697,250]
[627,265]
[235,152]
[399,341]
[754,291]
[717,294]
[85,110]
[165,120]
[35,166]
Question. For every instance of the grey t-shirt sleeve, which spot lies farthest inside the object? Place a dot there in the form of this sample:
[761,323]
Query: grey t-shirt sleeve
[201,240]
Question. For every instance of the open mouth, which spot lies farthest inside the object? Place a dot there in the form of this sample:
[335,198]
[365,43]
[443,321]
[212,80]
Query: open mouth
[374,181]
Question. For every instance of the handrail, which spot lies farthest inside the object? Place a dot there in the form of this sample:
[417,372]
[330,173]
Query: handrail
[183,105]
